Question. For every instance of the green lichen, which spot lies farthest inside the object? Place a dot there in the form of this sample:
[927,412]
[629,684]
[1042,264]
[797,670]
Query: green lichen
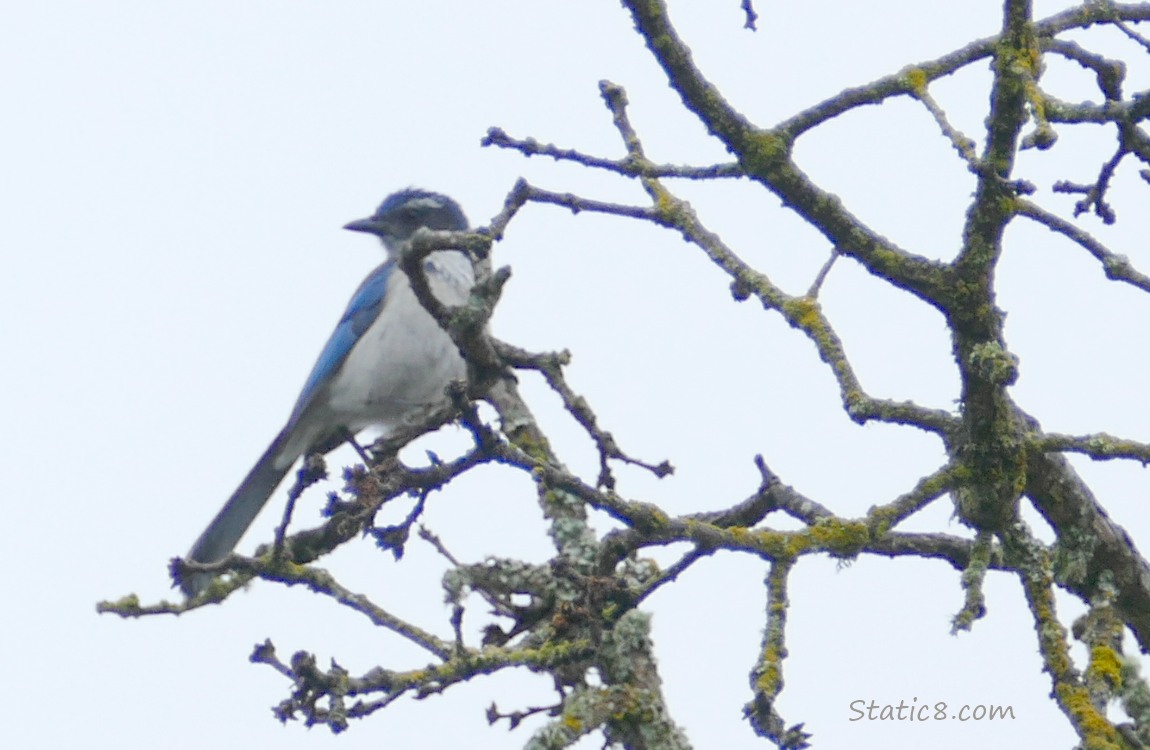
[840,537]
[882,519]
[915,80]
[1096,732]
[777,545]
[763,153]
[668,208]
[1105,665]
[529,440]
[769,681]
[993,363]
[804,313]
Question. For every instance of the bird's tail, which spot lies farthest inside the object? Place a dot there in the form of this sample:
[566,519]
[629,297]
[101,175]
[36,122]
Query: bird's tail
[225,530]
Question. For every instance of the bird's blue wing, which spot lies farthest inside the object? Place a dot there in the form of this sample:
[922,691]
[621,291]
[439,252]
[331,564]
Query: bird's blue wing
[362,310]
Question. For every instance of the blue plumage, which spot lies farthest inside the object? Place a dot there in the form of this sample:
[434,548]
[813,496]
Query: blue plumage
[361,312]
[386,360]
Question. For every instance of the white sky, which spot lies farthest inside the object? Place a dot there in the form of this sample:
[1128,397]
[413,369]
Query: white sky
[176,175]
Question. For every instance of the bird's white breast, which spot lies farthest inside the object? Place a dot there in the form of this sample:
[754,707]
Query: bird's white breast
[403,362]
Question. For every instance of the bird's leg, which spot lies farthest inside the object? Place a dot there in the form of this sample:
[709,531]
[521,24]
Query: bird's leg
[349,436]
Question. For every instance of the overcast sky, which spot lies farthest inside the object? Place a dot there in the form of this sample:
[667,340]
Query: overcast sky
[175,178]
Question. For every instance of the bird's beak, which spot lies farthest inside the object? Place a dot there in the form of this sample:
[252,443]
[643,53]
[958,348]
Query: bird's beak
[371,226]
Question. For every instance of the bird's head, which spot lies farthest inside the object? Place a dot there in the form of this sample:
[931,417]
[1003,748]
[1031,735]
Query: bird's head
[402,214]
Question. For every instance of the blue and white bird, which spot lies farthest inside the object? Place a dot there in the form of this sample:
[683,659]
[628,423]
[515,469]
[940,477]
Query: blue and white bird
[387,359]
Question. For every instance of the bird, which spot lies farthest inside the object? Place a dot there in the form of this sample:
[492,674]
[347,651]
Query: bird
[387,360]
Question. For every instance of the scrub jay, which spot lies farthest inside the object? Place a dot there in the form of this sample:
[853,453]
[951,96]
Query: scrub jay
[386,360]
